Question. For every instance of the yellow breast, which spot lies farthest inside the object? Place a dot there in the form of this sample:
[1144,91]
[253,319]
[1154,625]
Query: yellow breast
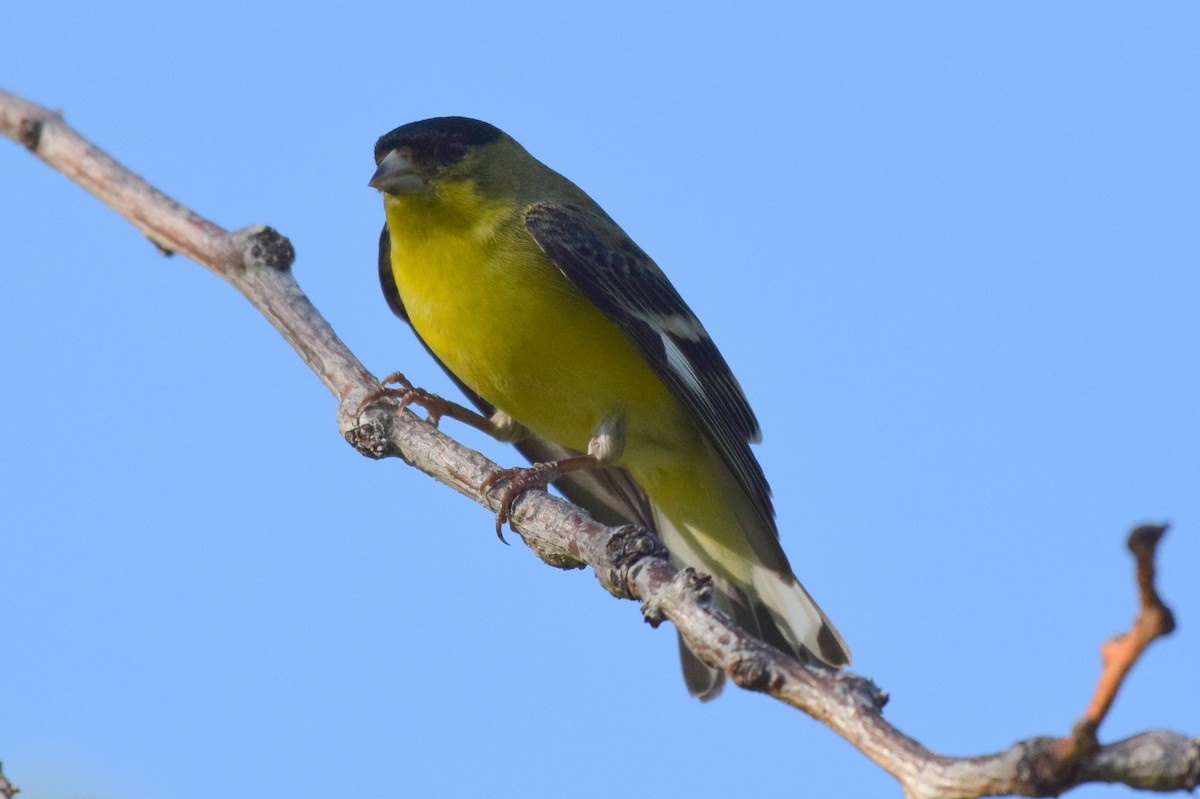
[510,325]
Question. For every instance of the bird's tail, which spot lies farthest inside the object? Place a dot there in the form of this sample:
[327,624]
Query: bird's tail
[707,522]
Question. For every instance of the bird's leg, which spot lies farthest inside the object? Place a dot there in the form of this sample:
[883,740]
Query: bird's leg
[500,426]
[505,428]
[603,450]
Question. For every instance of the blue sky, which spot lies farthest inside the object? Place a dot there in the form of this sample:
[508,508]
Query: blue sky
[950,250]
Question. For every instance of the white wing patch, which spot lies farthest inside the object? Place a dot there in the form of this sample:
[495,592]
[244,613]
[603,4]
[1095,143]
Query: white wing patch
[680,365]
[681,325]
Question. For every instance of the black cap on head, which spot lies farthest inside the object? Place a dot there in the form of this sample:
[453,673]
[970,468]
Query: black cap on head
[437,142]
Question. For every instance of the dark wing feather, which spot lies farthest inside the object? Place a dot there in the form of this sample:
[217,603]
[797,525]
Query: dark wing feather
[610,495]
[615,274]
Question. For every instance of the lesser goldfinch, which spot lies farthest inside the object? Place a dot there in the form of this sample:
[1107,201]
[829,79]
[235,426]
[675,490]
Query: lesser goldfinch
[542,308]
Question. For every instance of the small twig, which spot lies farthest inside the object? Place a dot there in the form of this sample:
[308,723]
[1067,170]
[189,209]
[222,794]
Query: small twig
[1154,620]
[1118,654]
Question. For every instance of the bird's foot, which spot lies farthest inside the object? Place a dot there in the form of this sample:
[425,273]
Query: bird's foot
[397,387]
[518,480]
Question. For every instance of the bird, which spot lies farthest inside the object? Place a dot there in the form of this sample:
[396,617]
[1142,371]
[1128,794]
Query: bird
[564,332]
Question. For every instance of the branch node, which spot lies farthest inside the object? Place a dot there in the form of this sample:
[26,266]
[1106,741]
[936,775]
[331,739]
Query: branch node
[1191,779]
[1164,620]
[865,691]
[264,246]
[29,133]
[1043,767]
[372,435]
[750,670]
[652,613]
[1083,735]
[683,584]
[163,251]
[625,550]
[553,557]
[699,585]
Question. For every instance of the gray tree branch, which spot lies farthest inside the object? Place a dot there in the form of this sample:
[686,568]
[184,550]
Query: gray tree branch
[628,562]
[7,789]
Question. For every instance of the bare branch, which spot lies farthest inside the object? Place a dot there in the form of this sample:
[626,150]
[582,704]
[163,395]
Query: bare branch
[7,789]
[628,561]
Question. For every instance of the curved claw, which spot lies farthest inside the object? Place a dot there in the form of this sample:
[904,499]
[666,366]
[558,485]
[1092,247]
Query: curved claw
[386,390]
[397,386]
[519,479]
[437,408]
[539,475]
[408,394]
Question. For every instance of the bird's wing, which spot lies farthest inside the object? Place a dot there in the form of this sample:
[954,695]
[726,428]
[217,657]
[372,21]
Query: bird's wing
[620,279]
[610,495]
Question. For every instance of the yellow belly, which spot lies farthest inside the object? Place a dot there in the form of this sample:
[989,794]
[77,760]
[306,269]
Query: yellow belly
[511,326]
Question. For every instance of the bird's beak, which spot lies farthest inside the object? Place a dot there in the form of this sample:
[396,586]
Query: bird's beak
[397,174]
